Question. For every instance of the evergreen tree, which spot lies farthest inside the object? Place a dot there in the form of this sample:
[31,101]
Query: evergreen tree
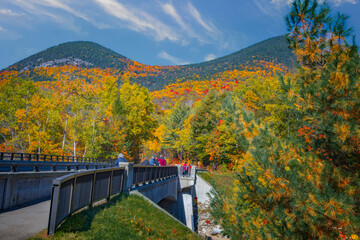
[174,126]
[304,185]
[204,120]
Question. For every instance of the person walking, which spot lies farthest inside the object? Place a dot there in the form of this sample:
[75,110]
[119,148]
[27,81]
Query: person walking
[184,168]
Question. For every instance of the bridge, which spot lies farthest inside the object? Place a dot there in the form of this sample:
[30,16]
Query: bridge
[26,178]
[77,184]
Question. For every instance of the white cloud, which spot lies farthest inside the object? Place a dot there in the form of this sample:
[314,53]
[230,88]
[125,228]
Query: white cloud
[5,34]
[339,2]
[41,12]
[171,11]
[269,9]
[288,2]
[49,9]
[196,15]
[181,23]
[209,57]
[174,60]
[138,20]
[42,4]
[9,12]
[208,33]
[281,2]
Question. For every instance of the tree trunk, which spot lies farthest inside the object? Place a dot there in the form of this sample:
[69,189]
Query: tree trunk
[74,151]
[84,152]
[63,143]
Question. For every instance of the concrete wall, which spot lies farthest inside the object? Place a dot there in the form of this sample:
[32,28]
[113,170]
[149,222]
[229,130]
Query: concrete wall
[17,189]
[178,203]
[164,204]
[175,195]
[188,201]
[202,189]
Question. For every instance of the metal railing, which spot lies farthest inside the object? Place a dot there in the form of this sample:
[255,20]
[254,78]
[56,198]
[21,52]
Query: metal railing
[147,174]
[50,158]
[37,162]
[75,191]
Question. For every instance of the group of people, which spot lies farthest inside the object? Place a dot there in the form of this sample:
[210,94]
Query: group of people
[153,161]
[186,169]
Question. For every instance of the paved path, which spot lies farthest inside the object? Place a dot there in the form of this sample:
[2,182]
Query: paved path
[25,222]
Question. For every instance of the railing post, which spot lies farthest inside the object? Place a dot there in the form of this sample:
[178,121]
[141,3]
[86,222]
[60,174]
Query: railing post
[179,170]
[128,176]
[110,185]
[53,209]
[92,189]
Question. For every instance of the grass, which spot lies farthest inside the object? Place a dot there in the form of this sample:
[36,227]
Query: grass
[224,180]
[124,217]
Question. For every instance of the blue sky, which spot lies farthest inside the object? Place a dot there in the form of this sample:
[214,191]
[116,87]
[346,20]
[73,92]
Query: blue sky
[157,32]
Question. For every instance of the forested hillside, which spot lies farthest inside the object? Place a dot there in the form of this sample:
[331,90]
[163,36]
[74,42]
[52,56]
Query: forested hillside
[81,53]
[88,55]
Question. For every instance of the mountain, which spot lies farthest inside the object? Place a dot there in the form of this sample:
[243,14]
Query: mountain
[91,55]
[80,53]
[272,50]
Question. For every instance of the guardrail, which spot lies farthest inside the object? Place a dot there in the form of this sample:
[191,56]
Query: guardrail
[23,166]
[50,158]
[75,191]
[146,174]
[36,162]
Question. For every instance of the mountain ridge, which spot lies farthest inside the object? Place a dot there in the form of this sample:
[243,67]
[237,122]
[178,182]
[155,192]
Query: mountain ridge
[87,54]
[70,50]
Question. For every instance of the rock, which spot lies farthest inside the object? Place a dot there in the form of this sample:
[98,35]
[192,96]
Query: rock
[216,231]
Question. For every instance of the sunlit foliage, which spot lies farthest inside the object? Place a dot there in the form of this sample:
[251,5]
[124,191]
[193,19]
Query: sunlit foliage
[300,179]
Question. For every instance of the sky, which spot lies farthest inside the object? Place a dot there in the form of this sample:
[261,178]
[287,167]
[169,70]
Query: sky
[154,32]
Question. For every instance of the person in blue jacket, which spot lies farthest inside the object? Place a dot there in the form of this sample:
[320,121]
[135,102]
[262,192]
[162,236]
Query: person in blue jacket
[120,159]
[153,161]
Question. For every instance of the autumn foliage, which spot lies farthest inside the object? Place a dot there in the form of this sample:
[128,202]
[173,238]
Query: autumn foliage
[300,179]
[293,137]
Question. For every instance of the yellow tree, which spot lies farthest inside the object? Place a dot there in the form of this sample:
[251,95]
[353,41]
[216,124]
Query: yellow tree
[134,105]
[15,95]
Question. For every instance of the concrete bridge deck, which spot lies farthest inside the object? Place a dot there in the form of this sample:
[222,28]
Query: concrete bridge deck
[23,223]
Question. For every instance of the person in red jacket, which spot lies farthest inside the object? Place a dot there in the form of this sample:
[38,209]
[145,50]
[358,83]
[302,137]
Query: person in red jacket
[184,168]
[162,161]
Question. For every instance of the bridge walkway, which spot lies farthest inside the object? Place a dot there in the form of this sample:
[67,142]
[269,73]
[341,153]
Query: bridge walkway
[23,223]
